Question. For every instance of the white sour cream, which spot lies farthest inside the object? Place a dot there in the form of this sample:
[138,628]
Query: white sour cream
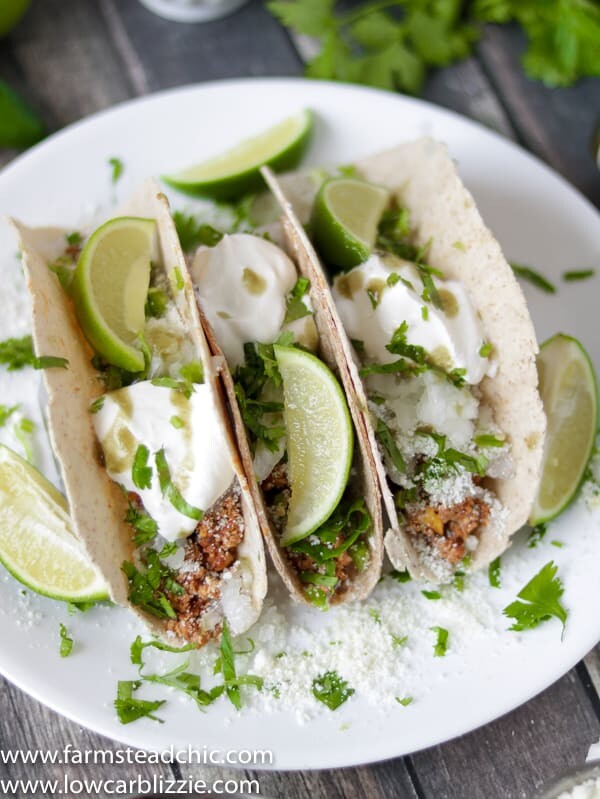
[452,337]
[243,284]
[196,453]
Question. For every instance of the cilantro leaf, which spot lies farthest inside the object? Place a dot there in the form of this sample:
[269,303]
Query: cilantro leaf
[6,412]
[66,642]
[533,277]
[141,473]
[193,233]
[295,308]
[386,439]
[541,597]
[494,572]
[441,645]
[434,595]
[170,490]
[117,168]
[130,709]
[330,689]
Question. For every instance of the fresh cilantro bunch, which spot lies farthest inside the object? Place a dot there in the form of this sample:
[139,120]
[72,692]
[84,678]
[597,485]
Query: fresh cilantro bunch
[375,45]
[564,35]
[391,44]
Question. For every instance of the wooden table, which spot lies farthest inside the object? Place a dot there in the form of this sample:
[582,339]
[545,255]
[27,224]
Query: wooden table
[73,57]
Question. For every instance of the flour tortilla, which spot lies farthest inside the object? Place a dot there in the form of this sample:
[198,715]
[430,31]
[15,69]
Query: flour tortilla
[423,178]
[97,505]
[363,481]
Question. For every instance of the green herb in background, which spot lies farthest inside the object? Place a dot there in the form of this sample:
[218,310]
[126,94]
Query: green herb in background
[533,277]
[20,126]
[392,44]
[578,274]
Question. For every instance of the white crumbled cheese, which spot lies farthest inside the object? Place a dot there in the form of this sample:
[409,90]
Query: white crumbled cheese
[590,491]
[590,789]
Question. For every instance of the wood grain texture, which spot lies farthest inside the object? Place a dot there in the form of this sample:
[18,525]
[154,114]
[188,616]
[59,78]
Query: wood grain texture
[557,124]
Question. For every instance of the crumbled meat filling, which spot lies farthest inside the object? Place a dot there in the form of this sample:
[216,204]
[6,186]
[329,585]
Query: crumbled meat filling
[447,529]
[210,550]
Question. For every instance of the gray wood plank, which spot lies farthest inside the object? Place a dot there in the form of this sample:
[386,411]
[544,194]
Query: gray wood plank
[249,43]
[512,756]
[27,725]
[557,124]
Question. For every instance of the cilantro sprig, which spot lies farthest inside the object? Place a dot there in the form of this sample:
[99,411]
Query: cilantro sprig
[393,44]
[331,690]
[193,233]
[538,601]
[17,353]
[295,307]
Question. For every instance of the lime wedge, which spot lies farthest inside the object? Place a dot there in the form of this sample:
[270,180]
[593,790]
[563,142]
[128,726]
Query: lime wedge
[37,542]
[570,397]
[344,220]
[237,171]
[110,289]
[320,440]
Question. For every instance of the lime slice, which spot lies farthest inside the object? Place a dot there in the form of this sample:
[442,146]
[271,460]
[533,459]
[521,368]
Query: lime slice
[320,440]
[570,397]
[237,171]
[344,220]
[110,289]
[37,542]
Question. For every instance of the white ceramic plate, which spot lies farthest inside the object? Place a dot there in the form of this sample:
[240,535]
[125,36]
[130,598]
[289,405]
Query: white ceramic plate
[539,219]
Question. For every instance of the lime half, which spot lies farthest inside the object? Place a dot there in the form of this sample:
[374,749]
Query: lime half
[344,220]
[237,171]
[320,440]
[37,542]
[570,397]
[110,289]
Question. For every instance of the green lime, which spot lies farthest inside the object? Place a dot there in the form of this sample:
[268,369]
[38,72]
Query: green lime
[110,289]
[344,220]
[237,171]
[570,396]
[11,12]
[320,440]
[37,542]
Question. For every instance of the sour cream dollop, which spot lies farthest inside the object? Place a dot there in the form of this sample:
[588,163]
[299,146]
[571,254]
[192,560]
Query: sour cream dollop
[372,310]
[195,448]
[243,285]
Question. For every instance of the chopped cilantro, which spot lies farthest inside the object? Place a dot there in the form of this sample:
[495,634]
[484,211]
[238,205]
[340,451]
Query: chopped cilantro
[330,689]
[23,431]
[141,473]
[66,642]
[441,645]
[74,239]
[130,709]
[558,544]
[386,439]
[485,440]
[581,274]
[407,700]
[424,313]
[177,422]
[533,277]
[460,245]
[145,526]
[458,581]
[486,349]
[170,490]
[374,296]
[156,302]
[392,279]
[400,577]
[358,345]
[258,371]
[399,640]
[375,615]
[176,385]
[15,353]
[6,412]
[295,308]
[193,233]
[536,535]
[169,549]
[145,589]
[431,594]
[447,460]
[97,404]
[192,372]
[176,278]
[542,596]
[117,168]
[494,572]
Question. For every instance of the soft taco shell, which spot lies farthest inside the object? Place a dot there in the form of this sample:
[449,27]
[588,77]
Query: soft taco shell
[364,481]
[97,505]
[423,178]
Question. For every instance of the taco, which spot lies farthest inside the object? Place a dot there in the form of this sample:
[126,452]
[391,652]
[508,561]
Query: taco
[155,486]
[441,348]
[253,304]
